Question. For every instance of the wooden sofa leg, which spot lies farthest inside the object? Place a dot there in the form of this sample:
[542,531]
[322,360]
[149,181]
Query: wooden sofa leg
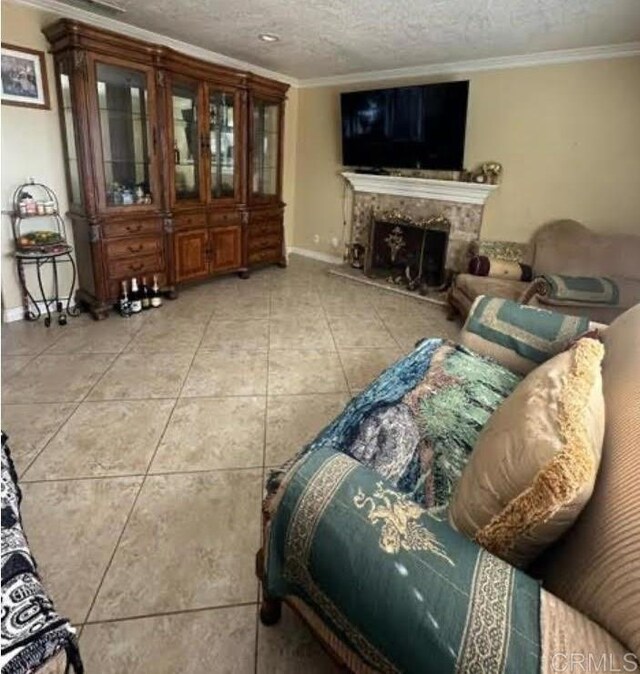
[270,609]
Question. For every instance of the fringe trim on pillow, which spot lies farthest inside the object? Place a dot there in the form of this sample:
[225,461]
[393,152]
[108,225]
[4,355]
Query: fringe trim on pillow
[559,482]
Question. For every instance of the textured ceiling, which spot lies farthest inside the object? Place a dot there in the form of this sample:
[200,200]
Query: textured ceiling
[321,38]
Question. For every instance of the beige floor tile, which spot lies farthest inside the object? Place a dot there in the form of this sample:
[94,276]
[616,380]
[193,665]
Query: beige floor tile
[408,331]
[289,648]
[305,371]
[11,365]
[300,332]
[293,421]
[347,308]
[361,332]
[252,334]
[57,378]
[104,439]
[199,642]
[30,427]
[108,336]
[24,338]
[213,433]
[362,366]
[242,307]
[190,543]
[72,528]
[181,335]
[230,373]
[144,375]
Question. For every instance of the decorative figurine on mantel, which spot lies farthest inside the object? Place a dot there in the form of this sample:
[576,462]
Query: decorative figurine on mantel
[488,173]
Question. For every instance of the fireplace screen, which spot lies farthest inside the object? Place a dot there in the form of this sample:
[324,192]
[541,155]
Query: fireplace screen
[406,253]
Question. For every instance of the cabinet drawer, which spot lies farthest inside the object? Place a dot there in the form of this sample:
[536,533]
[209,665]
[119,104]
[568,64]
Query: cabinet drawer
[269,215]
[191,220]
[134,247]
[119,229]
[135,266]
[264,229]
[264,242]
[268,255]
[225,218]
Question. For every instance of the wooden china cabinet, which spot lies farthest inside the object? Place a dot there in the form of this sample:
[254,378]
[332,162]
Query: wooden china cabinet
[174,165]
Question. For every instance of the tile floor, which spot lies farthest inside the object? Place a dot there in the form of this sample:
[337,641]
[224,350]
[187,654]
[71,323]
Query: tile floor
[142,447]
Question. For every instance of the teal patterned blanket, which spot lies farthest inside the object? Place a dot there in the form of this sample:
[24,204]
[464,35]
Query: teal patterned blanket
[582,289]
[419,420]
[398,585]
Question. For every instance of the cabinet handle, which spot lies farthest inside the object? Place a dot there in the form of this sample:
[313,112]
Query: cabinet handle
[135,250]
[136,267]
[137,228]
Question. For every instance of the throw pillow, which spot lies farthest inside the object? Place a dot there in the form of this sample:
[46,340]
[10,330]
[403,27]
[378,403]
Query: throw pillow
[482,265]
[518,337]
[534,466]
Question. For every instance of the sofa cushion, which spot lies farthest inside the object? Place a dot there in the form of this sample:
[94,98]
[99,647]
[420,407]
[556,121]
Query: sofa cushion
[473,286]
[535,463]
[596,566]
[519,337]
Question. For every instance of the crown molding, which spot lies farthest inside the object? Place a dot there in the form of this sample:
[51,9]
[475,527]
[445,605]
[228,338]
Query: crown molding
[420,188]
[624,50]
[107,23]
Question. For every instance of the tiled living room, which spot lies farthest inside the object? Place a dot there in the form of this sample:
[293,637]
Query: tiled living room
[320,354]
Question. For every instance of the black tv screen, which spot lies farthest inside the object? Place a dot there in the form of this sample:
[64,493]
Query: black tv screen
[408,127]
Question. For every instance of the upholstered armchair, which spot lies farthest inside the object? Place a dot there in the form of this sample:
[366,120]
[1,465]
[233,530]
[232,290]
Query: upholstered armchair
[572,270]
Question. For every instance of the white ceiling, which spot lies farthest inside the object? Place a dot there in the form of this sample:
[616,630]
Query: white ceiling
[324,38]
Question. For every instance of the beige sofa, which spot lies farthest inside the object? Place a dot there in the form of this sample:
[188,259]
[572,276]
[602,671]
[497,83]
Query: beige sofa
[563,247]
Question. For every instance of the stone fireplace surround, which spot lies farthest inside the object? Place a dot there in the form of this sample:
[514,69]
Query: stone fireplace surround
[418,199]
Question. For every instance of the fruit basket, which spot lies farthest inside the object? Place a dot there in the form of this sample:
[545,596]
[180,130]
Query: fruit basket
[44,241]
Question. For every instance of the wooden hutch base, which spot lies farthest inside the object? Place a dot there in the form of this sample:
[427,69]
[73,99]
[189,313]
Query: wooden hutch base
[174,165]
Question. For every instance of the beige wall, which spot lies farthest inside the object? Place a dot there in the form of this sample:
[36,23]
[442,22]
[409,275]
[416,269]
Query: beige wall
[31,141]
[567,135]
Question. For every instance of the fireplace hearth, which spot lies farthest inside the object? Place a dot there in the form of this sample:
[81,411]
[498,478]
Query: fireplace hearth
[408,253]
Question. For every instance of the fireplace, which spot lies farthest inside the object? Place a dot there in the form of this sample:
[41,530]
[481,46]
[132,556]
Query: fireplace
[407,252]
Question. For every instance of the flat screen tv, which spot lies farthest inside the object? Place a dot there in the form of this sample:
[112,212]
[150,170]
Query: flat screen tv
[408,127]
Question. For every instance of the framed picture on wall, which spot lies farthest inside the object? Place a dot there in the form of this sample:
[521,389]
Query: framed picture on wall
[24,77]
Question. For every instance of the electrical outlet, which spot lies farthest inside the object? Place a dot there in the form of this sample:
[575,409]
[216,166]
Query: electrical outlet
[316,238]
[334,242]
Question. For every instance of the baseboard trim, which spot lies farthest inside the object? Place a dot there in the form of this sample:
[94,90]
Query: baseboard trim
[315,255]
[17,313]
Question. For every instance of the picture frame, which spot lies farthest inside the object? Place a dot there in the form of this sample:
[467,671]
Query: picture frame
[24,80]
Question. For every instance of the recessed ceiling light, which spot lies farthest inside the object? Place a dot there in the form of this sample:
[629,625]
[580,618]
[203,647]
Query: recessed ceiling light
[269,37]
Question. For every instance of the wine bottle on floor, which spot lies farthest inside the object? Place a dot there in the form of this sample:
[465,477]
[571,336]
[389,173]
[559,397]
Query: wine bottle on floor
[145,295]
[136,300]
[124,305]
[156,297]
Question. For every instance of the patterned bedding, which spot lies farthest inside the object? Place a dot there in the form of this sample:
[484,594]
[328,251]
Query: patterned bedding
[32,631]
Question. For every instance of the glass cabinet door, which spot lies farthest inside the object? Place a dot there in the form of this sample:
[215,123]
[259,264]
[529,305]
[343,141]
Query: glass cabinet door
[265,148]
[69,133]
[123,105]
[186,140]
[222,144]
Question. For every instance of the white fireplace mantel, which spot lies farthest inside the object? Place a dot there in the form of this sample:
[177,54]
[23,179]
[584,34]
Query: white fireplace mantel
[420,188]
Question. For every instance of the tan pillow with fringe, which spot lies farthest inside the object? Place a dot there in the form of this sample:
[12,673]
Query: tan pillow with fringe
[535,463]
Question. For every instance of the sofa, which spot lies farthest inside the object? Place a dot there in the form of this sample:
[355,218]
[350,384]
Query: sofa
[365,549]
[565,248]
